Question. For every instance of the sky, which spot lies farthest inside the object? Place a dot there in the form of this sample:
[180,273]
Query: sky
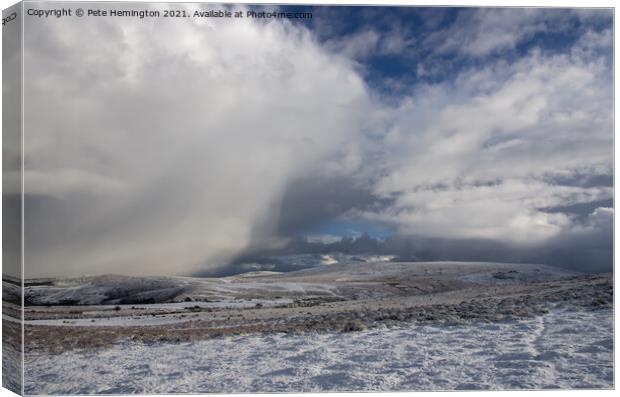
[157,146]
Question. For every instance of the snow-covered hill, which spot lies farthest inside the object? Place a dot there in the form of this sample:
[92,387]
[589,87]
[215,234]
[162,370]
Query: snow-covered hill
[336,280]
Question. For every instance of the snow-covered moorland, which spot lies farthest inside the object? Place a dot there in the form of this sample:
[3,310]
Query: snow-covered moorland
[346,326]
[562,349]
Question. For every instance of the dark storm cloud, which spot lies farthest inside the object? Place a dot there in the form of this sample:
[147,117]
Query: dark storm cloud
[587,249]
[582,210]
[297,254]
[309,202]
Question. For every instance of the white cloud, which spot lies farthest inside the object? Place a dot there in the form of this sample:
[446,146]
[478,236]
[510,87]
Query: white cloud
[477,158]
[370,42]
[184,134]
[486,31]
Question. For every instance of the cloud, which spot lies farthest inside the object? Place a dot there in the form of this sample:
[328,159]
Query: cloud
[154,146]
[487,31]
[371,42]
[587,246]
[483,157]
[308,202]
[185,136]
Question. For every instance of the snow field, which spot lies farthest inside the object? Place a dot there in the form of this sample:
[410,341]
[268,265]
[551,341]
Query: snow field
[562,349]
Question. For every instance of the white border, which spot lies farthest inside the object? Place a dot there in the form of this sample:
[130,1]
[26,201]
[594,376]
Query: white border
[506,3]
